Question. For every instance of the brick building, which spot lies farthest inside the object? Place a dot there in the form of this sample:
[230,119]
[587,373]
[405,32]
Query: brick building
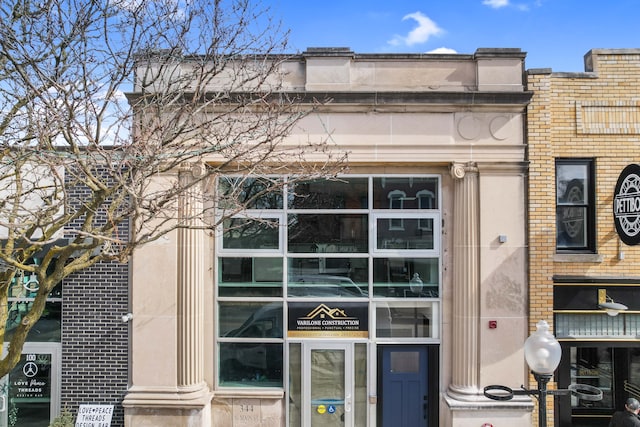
[583,130]
[78,351]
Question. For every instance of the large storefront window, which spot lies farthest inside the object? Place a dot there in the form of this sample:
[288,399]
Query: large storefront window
[251,344]
[350,249]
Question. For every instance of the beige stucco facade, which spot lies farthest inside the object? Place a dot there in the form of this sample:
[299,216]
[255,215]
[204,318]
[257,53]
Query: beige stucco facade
[457,117]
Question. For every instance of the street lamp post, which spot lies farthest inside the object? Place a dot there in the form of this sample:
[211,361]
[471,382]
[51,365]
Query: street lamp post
[542,353]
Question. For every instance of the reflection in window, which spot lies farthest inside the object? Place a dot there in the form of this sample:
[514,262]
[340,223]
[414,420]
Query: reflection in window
[22,291]
[415,233]
[250,364]
[361,402]
[250,320]
[321,245]
[256,361]
[328,277]
[396,319]
[295,385]
[249,193]
[396,201]
[320,233]
[414,190]
[249,277]
[46,329]
[247,233]
[426,199]
[406,277]
[575,226]
[343,193]
[592,366]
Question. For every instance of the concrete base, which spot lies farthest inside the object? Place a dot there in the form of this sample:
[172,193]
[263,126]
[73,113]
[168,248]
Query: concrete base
[168,407]
[248,411]
[479,411]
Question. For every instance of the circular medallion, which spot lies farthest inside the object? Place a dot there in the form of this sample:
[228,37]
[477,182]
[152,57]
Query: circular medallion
[469,127]
[626,205]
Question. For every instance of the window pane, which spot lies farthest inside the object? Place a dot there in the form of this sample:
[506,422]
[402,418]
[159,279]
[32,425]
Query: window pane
[405,362]
[249,193]
[250,320]
[575,228]
[328,233]
[360,375]
[28,389]
[404,233]
[406,277]
[402,320]
[249,277]
[251,364]
[329,194]
[593,366]
[572,183]
[46,329]
[295,385]
[571,228]
[417,193]
[246,233]
[328,277]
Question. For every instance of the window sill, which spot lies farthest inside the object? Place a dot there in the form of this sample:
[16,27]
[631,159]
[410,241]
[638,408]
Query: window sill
[591,258]
[257,392]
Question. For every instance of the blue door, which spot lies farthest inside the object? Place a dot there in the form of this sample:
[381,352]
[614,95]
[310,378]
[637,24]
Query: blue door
[404,386]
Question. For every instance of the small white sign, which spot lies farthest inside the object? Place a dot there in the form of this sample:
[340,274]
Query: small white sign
[94,416]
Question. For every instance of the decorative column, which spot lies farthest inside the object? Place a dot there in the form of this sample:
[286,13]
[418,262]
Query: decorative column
[466,282]
[191,265]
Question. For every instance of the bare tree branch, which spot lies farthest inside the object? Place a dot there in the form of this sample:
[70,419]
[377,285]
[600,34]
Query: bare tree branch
[103,103]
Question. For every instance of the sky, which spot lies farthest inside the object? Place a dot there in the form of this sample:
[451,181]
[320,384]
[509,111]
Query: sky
[554,34]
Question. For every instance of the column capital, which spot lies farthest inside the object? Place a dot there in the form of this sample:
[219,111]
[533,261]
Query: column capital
[460,170]
[196,169]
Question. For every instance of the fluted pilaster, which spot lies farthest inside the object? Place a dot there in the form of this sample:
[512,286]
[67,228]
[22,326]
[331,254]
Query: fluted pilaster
[190,283]
[466,281]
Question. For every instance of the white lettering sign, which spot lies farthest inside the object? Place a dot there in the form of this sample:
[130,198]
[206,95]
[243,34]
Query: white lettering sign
[94,416]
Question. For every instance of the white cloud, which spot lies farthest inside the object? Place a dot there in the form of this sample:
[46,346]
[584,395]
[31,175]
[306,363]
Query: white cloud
[496,4]
[443,50]
[420,34]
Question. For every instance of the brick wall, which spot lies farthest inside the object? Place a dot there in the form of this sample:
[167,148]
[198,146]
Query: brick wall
[553,132]
[95,340]
[589,115]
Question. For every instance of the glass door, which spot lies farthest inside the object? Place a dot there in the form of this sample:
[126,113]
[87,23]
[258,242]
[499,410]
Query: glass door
[329,392]
[29,395]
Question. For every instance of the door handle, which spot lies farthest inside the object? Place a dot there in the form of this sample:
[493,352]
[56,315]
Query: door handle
[3,403]
[425,406]
[347,403]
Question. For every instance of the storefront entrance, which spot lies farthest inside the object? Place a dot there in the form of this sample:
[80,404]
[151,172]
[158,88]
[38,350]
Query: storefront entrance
[612,367]
[330,392]
[29,395]
[404,386]
[332,381]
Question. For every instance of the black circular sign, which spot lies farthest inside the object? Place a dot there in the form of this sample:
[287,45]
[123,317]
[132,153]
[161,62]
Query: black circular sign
[626,205]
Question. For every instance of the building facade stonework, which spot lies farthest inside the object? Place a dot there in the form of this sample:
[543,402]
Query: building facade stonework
[582,132]
[407,271]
